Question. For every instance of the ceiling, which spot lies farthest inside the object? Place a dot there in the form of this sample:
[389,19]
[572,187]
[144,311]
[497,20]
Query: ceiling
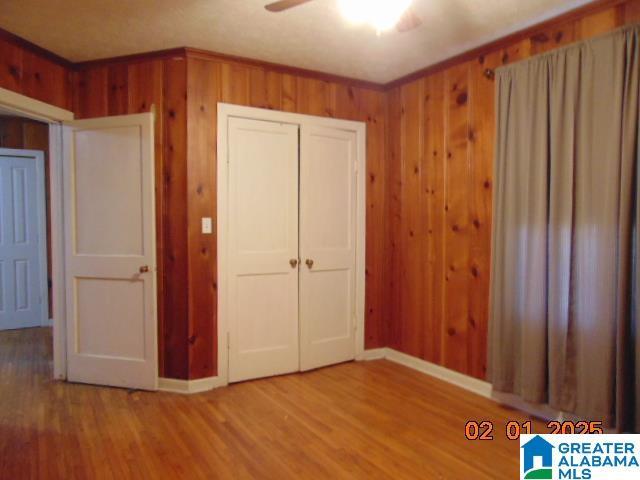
[312,36]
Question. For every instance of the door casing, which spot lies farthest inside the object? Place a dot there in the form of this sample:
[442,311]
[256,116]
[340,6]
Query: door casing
[22,106]
[227,111]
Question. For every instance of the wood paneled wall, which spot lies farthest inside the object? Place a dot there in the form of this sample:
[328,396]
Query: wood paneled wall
[211,80]
[186,90]
[429,178]
[25,71]
[438,245]
[138,86]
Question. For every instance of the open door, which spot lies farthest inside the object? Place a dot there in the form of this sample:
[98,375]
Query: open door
[110,263]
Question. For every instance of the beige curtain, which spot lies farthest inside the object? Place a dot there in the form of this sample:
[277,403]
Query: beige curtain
[565,295]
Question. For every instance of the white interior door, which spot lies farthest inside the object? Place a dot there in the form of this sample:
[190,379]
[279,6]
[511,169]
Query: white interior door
[327,246]
[110,251]
[23,292]
[262,249]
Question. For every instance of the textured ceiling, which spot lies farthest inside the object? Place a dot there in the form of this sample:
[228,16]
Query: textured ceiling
[312,36]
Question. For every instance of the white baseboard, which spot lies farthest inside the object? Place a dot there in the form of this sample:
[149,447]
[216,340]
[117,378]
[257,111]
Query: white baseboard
[466,382]
[189,386]
[373,354]
[450,376]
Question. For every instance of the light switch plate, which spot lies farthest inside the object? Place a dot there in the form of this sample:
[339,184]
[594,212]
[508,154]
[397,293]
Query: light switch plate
[207,225]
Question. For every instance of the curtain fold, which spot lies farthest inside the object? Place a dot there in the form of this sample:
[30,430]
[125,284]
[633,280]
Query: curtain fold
[564,292]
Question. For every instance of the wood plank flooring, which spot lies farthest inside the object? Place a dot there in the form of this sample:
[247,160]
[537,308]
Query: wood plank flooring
[356,420]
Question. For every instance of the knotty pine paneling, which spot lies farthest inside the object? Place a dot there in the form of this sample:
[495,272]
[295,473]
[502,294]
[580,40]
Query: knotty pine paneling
[128,88]
[441,142]
[186,92]
[212,80]
[28,73]
[429,178]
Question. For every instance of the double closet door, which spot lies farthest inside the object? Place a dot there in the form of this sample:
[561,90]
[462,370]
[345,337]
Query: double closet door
[291,247]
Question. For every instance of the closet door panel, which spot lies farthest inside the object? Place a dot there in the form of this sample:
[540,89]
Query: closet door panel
[263,239]
[327,246]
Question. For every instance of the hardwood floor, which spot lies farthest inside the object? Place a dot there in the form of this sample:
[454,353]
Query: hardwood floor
[356,420]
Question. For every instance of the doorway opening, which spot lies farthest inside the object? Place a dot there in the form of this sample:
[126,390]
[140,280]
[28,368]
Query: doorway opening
[25,231]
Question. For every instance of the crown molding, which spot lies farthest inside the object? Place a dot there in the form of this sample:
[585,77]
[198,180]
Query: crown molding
[188,52]
[32,47]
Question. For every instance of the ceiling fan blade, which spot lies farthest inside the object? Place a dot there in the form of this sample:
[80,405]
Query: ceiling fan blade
[284,5]
[408,21]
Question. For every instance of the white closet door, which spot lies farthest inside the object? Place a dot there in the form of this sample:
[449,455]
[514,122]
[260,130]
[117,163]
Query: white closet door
[21,240]
[327,246]
[110,251]
[262,249]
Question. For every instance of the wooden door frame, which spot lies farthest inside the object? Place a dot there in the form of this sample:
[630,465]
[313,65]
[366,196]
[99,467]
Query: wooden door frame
[23,106]
[37,156]
[226,111]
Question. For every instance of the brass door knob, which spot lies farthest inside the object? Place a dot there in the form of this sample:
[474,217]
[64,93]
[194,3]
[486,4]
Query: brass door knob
[309,263]
[293,262]
[144,269]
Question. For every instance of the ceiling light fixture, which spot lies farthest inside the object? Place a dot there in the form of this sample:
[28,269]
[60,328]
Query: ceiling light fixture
[380,14]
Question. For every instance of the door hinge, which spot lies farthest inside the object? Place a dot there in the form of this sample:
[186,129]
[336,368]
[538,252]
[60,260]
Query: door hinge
[228,341]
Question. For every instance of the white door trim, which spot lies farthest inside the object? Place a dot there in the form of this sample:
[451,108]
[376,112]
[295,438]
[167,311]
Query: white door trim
[225,111]
[38,157]
[23,106]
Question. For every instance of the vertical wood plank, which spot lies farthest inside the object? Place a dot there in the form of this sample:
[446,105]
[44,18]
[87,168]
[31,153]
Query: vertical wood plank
[432,198]
[554,37]
[145,89]
[599,23]
[44,80]
[11,132]
[118,89]
[374,110]
[289,93]
[10,66]
[482,138]
[201,194]
[457,244]
[91,93]
[393,175]
[412,330]
[236,84]
[265,89]
[174,193]
[316,97]
[631,12]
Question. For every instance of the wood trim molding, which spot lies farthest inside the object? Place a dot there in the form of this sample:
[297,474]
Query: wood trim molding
[32,47]
[504,41]
[372,354]
[281,68]
[133,58]
[189,387]
[471,384]
[461,380]
[477,52]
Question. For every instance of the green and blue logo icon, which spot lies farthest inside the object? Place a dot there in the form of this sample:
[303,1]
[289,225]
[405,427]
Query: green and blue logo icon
[537,459]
